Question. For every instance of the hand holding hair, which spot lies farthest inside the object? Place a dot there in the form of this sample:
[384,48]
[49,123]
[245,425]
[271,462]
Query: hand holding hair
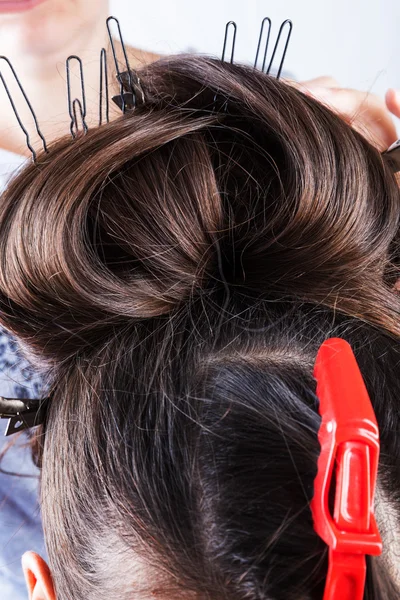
[366,112]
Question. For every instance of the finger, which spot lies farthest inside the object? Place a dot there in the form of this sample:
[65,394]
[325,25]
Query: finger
[392,99]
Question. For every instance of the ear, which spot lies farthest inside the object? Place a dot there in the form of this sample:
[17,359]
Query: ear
[38,577]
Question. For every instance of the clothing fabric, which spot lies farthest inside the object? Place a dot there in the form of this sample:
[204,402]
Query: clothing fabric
[20,523]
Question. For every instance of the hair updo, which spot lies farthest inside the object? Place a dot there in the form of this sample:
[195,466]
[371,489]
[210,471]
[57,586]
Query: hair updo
[177,270]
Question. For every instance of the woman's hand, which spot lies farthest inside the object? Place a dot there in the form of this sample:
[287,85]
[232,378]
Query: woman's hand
[367,113]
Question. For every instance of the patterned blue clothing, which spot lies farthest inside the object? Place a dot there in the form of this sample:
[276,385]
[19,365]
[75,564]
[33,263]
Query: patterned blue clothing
[20,525]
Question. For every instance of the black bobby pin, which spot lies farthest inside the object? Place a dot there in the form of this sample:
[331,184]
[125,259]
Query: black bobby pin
[125,99]
[28,143]
[22,413]
[287,22]
[72,105]
[230,24]
[103,86]
[77,106]
[227,27]
[266,20]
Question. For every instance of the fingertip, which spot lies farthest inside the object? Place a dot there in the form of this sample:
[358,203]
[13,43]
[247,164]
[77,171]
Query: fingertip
[392,99]
[390,94]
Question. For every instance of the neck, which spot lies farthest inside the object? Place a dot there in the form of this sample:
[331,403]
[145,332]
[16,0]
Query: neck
[39,63]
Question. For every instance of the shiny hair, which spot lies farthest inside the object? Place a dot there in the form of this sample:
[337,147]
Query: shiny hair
[176,270]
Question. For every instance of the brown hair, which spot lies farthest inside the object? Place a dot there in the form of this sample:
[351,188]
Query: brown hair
[177,270]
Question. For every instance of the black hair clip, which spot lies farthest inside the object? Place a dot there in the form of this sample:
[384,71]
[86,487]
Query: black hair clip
[392,156]
[131,93]
[289,28]
[22,413]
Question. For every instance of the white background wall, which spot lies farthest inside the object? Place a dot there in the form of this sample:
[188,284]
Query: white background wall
[356,41]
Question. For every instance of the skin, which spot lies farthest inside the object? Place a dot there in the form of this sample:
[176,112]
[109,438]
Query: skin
[37,42]
[38,578]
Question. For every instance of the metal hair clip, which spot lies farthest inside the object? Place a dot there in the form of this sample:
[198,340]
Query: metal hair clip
[392,154]
[130,81]
[81,104]
[349,439]
[288,23]
[22,413]
[28,142]
[131,93]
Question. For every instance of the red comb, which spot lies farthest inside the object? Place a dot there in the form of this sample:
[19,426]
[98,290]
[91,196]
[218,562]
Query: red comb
[349,439]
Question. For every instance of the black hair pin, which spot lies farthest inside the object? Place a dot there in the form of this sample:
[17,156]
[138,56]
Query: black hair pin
[229,25]
[28,142]
[289,27]
[131,93]
[263,22]
[76,103]
[22,413]
[103,86]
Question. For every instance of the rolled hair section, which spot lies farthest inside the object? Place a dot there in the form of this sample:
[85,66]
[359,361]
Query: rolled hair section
[273,196]
[125,234]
